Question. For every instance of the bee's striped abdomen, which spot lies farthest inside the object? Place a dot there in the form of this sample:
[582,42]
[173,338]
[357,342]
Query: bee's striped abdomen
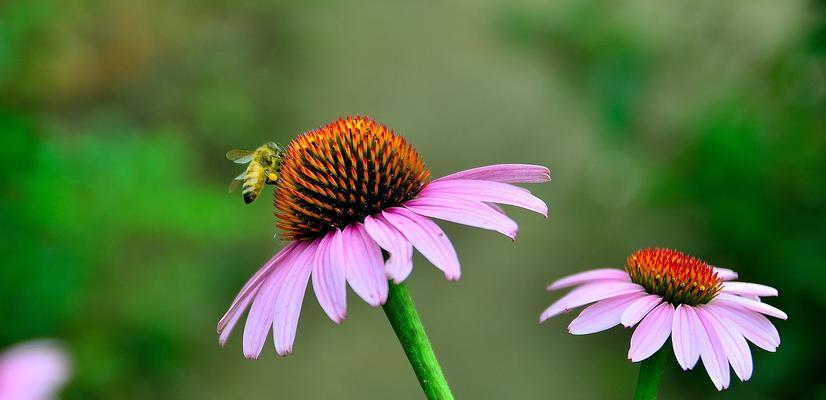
[253,182]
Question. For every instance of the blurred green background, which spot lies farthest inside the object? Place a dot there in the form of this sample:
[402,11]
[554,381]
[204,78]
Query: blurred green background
[698,125]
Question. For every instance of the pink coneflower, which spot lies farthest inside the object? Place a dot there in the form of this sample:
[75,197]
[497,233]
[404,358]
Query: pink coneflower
[345,193]
[32,371]
[670,294]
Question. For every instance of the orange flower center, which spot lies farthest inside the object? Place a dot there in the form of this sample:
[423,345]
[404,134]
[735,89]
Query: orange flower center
[677,277]
[342,173]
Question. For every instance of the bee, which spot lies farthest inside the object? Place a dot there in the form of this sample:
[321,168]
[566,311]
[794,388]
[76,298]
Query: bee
[264,163]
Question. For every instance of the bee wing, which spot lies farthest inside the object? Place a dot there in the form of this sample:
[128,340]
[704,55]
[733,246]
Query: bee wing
[239,156]
[236,182]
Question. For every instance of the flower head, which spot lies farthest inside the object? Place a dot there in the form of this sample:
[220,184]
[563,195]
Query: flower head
[349,191]
[670,294]
[342,173]
[32,371]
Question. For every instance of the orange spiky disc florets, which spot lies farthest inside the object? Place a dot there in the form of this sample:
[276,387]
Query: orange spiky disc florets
[342,173]
[677,277]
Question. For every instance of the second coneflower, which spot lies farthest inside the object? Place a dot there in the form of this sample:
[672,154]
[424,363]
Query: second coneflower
[346,192]
[701,308]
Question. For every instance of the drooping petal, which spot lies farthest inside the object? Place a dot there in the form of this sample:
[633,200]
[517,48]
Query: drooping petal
[589,276]
[464,212]
[589,293]
[734,345]
[712,353]
[750,304]
[505,173]
[639,309]
[485,191]
[427,237]
[752,325]
[685,332]
[223,335]
[261,313]
[652,333]
[247,293]
[289,300]
[601,315]
[364,266]
[329,282]
[748,289]
[725,273]
[400,263]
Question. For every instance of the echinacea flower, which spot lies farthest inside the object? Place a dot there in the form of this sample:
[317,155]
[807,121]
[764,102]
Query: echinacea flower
[345,193]
[32,371]
[706,313]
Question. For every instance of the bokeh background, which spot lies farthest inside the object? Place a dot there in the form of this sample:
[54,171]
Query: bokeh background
[699,125]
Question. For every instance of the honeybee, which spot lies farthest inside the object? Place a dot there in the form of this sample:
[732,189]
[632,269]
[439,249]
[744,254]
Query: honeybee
[264,163]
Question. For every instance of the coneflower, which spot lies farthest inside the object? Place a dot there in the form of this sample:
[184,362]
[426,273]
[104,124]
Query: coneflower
[706,314]
[33,370]
[347,192]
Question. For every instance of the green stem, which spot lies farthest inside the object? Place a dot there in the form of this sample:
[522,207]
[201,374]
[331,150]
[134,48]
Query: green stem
[651,373]
[408,327]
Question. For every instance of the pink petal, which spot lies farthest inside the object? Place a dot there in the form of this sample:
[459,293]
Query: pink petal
[749,289]
[427,237]
[247,293]
[485,191]
[712,353]
[750,304]
[589,276]
[495,207]
[589,293]
[652,333]
[734,345]
[400,263]
[223,335]
[33,370]
[685,332]
[752,325]
[261,313]
[639,309]
[290,298]
[464,212]
[506,173]
[364,266]
[725,273]
[601,315]
[329,283]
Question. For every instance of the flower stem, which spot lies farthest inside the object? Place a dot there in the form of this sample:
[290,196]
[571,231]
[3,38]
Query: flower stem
[408,327]
[651,373]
